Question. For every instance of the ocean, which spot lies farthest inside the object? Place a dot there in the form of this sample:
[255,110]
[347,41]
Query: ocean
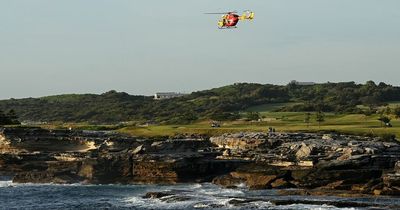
[183,196]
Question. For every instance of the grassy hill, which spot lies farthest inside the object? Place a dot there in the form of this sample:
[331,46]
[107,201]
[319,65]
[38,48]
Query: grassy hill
[224,103]
[108,107]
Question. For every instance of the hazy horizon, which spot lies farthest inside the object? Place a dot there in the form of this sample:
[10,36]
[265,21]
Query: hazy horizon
[63,47]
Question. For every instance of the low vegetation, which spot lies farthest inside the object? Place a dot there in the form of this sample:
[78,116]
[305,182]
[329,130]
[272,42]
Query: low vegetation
[9,118]
[367,109]
[224,103]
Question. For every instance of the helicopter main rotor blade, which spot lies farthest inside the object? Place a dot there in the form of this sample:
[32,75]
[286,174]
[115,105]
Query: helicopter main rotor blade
[219,13]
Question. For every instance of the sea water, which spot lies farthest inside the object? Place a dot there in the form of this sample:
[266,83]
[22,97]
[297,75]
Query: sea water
[185,196]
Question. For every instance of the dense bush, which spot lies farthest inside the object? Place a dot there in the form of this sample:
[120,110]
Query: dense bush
[222,103]
[10,118]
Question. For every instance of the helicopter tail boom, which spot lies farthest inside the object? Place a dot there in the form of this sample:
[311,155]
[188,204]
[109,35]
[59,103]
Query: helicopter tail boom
[247,15]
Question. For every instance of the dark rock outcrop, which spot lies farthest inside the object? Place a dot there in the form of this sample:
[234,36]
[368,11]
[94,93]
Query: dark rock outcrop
[63,156]
[313,162]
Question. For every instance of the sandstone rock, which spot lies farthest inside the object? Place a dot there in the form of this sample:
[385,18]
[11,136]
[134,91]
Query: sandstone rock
[370,151]
[255,180]
[227,181]
[304,151]
[226,152]
[392,191]
[336,185]
[259,160]
[327,137]
[319,178]
[302,192]
[137,150]
[397,167]
[377,192]
[300,174]
[347,153]
[391,180]
[281,183]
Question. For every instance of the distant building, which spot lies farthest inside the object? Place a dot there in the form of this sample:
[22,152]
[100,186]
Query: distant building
[167,95]
[302,83]
[30,123]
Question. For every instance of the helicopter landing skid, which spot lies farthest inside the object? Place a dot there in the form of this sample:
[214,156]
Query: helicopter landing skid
[233,27]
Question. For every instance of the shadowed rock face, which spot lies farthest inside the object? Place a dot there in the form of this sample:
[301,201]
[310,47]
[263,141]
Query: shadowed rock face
[258,160]
[63,156]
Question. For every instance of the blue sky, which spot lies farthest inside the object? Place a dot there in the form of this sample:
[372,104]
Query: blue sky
[52,47]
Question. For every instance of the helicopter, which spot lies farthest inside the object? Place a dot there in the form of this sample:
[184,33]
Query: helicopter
[229,20]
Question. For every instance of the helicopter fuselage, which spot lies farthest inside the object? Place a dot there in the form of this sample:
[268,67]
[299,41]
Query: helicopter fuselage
[230,20]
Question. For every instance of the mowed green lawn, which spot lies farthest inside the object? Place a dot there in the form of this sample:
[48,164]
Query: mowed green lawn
[281,121]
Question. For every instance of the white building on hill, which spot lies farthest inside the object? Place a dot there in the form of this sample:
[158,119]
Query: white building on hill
[167,95]
[302,83]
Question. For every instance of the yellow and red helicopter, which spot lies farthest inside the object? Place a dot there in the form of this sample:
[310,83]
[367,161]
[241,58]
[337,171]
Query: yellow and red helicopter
[230,19]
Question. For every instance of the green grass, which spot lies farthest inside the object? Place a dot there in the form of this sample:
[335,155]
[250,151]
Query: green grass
[394,104]
[282,121]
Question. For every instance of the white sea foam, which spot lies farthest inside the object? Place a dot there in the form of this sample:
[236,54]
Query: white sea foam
[6,183]
[197,186]
[311,207]
[137,202]
[209,189]
[262,204]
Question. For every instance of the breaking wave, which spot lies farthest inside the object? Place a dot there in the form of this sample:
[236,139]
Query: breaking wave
[182,196]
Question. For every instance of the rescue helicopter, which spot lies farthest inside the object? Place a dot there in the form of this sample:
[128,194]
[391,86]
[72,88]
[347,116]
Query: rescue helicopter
[229,20]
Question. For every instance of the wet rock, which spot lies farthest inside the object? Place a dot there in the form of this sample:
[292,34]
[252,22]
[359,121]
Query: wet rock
[255,181]
[227,181]
[281,184]
[241,202]
[154,195]
[168,197]
[174,198]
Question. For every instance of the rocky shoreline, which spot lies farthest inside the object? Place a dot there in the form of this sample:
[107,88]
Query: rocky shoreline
[311,164]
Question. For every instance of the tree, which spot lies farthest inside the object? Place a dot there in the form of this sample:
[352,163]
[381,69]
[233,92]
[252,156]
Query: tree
[387,110]
[3,118]
[396,112]
[8,119]
[369,111]
[320,117]
[221,116]
[307,118]
[253,116]
[381,117]
[385,120]
[12,118]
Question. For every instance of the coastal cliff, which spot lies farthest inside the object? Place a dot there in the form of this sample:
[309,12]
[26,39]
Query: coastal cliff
[312,163]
